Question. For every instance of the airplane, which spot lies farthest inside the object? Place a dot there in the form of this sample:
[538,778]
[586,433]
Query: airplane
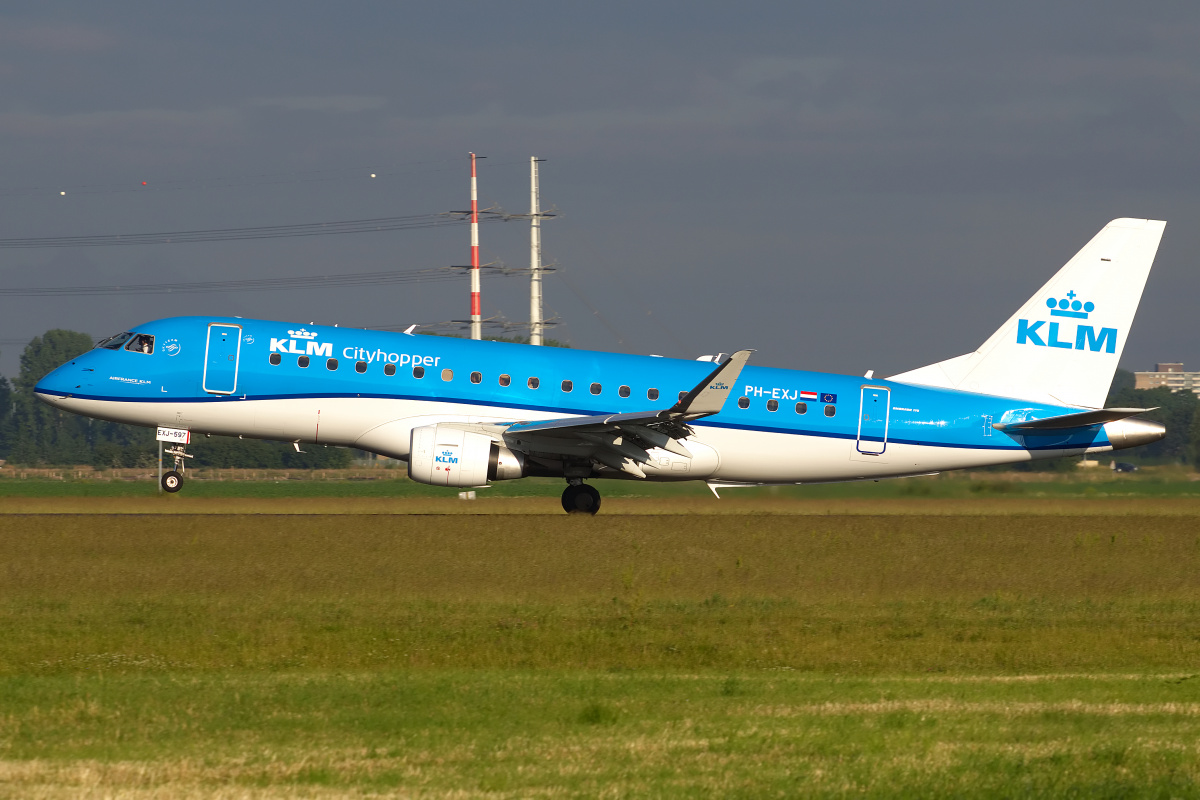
[467,413]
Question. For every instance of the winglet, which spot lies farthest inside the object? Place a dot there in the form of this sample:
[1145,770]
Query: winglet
[710,394]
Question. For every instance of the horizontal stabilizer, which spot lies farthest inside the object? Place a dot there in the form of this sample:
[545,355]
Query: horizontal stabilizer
[1083,419]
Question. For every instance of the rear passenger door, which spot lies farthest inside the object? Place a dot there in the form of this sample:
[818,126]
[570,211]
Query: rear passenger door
[873,413]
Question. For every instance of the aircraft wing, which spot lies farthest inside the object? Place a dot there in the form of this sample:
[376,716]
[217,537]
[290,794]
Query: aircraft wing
[621,441]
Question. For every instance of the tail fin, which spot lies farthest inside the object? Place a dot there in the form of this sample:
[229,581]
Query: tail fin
[1064,344]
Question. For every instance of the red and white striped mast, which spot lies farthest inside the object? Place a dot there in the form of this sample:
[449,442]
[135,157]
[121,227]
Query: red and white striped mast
[476,313]
[536,326]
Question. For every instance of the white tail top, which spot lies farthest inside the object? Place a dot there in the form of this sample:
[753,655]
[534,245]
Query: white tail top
[1064,344]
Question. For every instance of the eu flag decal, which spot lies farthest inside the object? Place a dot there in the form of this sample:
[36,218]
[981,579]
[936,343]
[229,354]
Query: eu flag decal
[828,398]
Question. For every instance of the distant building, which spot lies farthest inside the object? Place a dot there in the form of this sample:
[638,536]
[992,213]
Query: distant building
[1170,375]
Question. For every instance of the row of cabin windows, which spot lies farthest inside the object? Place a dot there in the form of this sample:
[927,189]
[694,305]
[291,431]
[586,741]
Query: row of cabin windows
[533,383]
[476,377]
[773,405]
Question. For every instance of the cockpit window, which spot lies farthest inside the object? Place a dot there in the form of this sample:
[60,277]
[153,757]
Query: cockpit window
[114,342]
[141,343]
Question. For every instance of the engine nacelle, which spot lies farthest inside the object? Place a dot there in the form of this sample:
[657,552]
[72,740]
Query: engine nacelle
[441,455]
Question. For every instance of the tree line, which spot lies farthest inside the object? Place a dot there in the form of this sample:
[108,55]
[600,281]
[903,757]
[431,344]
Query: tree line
[34,434]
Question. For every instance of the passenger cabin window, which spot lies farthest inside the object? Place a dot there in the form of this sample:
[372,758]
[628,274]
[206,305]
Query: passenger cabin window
[652,394]
[801,408]
[830,410]
[567,386]
[418,372]
[141,343]
[276,359]
[114,342]
[302,361]
[447,374]
[331,364]
[505,380]
[389,369]
[772,405]
[743,402]
[533,383]
[476,377]
[595,389]
[623,391]
[360,367]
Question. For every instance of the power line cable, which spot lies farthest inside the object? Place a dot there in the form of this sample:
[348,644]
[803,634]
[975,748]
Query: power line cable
[378,224]
[431,275]
[595,312]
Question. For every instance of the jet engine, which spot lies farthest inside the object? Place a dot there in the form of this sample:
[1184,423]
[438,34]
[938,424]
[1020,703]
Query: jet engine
[443,455]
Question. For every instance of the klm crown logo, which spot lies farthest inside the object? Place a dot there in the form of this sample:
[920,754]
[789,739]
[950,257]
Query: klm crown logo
[1069,307]
[305,334]
[1086,336]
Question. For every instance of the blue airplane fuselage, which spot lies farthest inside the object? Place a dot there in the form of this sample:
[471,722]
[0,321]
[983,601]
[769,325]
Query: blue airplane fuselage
[336,386]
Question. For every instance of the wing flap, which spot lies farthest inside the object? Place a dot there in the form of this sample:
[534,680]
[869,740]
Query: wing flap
[599,422]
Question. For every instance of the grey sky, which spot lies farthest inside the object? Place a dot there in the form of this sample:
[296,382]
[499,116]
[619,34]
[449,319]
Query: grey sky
[841,186]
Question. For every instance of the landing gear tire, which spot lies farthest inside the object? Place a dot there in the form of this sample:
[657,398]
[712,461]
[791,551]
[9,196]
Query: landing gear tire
[581,499]
[172,481]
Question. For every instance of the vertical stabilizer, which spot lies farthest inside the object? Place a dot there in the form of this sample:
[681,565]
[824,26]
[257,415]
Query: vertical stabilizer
[1064,344]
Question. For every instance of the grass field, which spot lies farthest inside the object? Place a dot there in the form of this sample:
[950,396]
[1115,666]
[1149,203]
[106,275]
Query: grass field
[245,647]
[378,483]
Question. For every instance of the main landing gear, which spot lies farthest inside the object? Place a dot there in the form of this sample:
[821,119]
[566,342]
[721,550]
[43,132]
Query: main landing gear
[579,498]
[172,481]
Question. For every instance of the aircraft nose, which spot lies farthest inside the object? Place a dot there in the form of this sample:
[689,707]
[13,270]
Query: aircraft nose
[57,384]
[1133,432]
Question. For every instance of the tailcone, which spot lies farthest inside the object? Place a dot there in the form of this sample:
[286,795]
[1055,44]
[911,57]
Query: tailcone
[1125,433]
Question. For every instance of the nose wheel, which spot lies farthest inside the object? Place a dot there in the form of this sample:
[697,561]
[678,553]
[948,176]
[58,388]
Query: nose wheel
[580,498]
[172,481]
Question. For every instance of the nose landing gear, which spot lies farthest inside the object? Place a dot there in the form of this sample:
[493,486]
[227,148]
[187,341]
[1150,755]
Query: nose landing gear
[580,498]
[172,481]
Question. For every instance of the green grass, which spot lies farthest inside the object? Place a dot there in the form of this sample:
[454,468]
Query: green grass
[520,734]
[1035,652]
[869,594]
[394,483]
